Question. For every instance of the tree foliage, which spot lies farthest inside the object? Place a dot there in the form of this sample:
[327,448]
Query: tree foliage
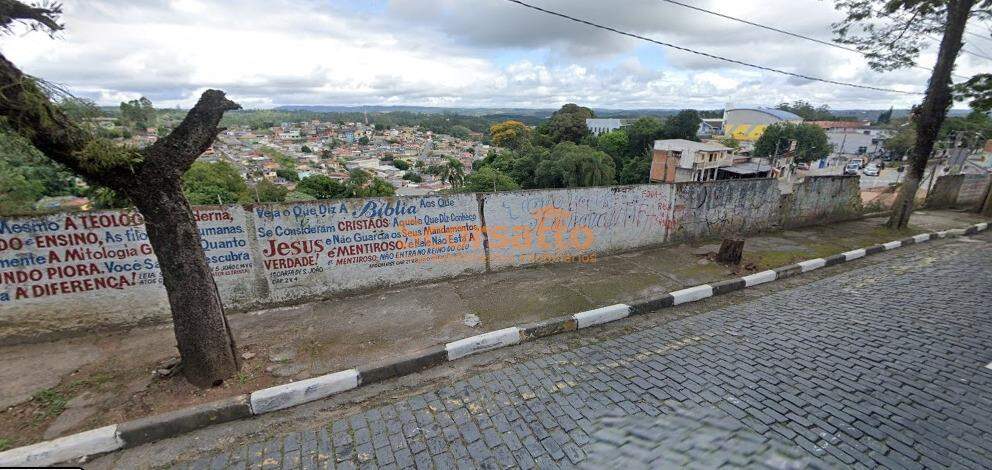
[488,179]
[267,191]
[322,187]
[811,141]
[509,134]
[138,114]
[807,110]
[214,183]
[567,124]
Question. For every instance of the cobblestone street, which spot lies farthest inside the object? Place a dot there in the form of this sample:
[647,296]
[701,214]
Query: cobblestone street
[883,365]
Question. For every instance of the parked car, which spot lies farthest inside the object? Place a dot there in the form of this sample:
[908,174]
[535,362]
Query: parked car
[852,168]
[870,170]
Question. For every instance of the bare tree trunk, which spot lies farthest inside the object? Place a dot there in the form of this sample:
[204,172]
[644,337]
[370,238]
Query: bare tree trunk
[153,184]
[202,334]
[933,110]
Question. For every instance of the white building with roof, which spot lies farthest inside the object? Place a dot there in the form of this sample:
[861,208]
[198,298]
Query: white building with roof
[602,126]
[746,124]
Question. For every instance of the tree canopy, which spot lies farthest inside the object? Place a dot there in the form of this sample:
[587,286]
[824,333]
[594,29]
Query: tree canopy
[509,134]
[811,141]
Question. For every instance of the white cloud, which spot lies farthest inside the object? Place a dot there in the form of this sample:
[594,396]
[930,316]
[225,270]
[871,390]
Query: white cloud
[449,53]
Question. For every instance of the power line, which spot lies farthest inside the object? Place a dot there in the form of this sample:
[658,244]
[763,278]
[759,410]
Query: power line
[711,56]
[782,31]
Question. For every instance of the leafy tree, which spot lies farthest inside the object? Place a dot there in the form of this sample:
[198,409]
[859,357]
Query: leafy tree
[977,89]
[614,143]
[79,109]
[139,114]
[364,140]
[891,34]
[641,136]
[885,117]
[322,187]
[459,131]
[413,177]
[287,174]
[635,171]
[811,141]
[306,149]
[730,142]
[570,165]
[266,191]
[451,171]
[401,165]
[684,125]
[569,123]
[17,193]
[509,134]
[377,187]
[807,110]
[902,142]
[489,179]
[214,183]
[151,178]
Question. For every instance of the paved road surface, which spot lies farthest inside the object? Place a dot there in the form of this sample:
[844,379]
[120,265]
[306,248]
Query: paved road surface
[882,365]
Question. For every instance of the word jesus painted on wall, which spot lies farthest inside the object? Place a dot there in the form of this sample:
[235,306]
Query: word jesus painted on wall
[312,246]
[89,252]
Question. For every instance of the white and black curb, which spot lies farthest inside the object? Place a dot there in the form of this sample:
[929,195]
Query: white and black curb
[152,428]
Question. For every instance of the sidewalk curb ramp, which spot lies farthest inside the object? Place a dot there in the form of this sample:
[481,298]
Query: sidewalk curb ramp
[150,429]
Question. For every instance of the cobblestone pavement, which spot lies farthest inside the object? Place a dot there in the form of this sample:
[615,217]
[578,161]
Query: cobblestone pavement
[880,366]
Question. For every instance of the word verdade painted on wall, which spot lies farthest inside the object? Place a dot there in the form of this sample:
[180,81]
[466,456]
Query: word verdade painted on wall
[312,248]
[82,254]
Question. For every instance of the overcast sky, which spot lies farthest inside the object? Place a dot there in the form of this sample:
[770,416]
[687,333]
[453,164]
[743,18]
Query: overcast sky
[486,53]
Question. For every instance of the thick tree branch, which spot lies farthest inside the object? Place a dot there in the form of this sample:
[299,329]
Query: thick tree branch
[172,155]
[13,10]
[30,113]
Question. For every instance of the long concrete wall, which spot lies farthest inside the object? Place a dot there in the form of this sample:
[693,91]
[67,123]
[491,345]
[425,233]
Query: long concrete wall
[822,199]
[69,271]
[961,191]
[529,227]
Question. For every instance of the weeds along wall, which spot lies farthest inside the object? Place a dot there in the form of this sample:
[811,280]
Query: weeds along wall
[70,271]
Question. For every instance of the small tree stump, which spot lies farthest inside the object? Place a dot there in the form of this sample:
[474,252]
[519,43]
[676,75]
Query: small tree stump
[731,251]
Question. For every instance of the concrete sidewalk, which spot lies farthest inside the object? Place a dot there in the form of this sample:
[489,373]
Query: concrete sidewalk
[85,382]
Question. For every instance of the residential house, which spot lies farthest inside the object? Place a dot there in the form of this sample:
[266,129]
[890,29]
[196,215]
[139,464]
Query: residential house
[677,160]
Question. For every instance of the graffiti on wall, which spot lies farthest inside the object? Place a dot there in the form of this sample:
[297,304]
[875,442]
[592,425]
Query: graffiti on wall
[312,248]
[600,219]
[724,207]
[86,253]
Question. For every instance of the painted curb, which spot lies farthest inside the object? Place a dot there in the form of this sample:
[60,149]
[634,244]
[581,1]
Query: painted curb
[295,393]
[402,365]
[64,449]
[760,278]
[692,294]
[157,427]
[482,343]
[601,315]
[150,429]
